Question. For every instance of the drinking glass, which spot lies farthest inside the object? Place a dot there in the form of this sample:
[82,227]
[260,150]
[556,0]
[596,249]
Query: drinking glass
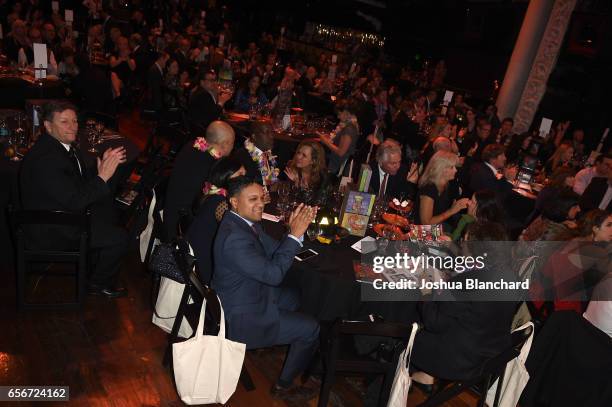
[99,132]
[313,231]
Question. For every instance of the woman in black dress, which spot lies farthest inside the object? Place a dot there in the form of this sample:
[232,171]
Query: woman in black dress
[438,196]
[212,207]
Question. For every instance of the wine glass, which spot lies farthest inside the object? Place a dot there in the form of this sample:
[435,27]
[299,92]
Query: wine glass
[313,231]
[91,135]
[99,128]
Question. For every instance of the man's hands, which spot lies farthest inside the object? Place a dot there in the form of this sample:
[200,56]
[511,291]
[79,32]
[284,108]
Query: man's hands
[111,159]
[413,174]
[300,219]
[223,97]
[511,172]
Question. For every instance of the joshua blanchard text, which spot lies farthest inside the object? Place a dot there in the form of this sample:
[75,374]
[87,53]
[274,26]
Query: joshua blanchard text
[467,284]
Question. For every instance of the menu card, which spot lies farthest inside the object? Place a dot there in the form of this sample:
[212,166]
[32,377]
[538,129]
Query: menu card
[356,211]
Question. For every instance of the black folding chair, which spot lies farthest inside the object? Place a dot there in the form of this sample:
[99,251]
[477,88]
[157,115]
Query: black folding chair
[336,361]
[20,221]
[492,369]
[191,304]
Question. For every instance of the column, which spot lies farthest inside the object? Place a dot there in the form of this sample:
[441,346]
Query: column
[523,55]
[544,62]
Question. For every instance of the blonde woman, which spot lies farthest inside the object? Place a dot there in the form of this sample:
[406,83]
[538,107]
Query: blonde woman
[562,158]
[307,168]
[437,198]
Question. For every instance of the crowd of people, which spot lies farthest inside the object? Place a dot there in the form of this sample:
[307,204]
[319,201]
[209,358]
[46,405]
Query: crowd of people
[457,163]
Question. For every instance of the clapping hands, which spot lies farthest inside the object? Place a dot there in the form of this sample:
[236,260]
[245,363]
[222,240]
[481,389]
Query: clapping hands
[111,159]
[301,218]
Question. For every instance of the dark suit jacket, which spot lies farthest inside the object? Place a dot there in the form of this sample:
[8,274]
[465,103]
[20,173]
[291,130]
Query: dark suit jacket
[49,180]
[251,167]
[155,89]
[191,169]
[594,193]
[202,110]
[482,177]
[396,184]
[248,269]
[458,336]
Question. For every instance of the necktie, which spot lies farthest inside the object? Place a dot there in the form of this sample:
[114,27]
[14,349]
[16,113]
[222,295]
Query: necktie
[75,160]
[383,186]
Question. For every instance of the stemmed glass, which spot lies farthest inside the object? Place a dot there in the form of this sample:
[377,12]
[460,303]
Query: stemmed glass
[90,128]
[313,231]
[99,132]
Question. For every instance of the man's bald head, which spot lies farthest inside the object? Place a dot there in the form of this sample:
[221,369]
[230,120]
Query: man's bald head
[221,136]
[442,144]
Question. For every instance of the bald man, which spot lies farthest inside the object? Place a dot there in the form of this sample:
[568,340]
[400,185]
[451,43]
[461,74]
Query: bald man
[190,172]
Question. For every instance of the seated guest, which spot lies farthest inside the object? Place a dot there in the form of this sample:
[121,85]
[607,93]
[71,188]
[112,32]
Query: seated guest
[488,175]
[210,211]
[600,169]
[54,176]
[440,143]
[478,330]
[557,221]
[206,102]
[438,196]
[389,177]
[249,267]
[250,97]
[571,272]
[307,168]
[343,140]
[474,144]
[598,194]
[519,147]
[562,179]
[504,134]
[483,207]
[561,158]
[256,155]
[191,170]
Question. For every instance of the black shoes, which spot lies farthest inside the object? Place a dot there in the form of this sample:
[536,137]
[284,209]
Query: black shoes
[107,292]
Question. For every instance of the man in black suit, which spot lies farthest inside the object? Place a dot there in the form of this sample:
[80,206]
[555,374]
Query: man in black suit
[54,177]
[598,194]
[206,103]
[492,173]
[473,145]
[143,54]
[389,177]
[262,142]
[155,83]
[191,169]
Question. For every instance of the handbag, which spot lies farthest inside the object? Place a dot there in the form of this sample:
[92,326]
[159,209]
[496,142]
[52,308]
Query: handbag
[207,368]
[402,381]
[166,307]
[516,376]
[162,262]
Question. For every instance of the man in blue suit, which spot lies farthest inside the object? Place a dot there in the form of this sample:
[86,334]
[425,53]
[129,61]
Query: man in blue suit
[249,267]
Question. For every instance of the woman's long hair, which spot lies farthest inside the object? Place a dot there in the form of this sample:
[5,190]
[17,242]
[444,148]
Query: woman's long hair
[436,166]
[317,154]
[555,160]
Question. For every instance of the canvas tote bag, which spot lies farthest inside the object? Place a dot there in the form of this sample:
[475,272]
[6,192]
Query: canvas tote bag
[167,305]
[207,368]
[402,381]
[516,376]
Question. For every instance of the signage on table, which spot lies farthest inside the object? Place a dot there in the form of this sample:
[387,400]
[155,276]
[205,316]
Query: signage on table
[545,127]
[40,60]
[69,16]
[356,211]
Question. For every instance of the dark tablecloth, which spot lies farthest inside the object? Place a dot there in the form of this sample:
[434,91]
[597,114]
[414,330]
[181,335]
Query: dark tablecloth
[328,286]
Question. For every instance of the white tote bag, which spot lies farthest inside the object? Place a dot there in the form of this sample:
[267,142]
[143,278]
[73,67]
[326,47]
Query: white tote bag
[402,380]
[207,368]
[515,377]
[166,307]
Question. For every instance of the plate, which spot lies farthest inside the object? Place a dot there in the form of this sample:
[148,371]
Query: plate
[380,228]
[395,220]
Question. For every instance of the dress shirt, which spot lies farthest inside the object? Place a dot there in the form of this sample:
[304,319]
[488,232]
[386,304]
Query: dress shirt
[382,180]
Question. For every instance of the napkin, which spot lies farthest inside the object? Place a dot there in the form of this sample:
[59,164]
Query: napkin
[357,246]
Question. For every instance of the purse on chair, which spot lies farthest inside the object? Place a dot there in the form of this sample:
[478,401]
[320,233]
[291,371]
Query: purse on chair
[162,262]
[207,368]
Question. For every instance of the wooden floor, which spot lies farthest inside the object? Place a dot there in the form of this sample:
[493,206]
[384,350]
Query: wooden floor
[110,353]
